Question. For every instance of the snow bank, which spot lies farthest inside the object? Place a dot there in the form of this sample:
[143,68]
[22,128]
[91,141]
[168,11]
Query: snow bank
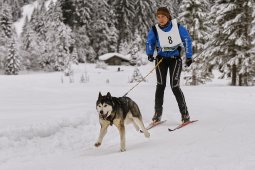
[9,137]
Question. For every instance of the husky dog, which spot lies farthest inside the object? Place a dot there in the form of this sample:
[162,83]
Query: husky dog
[118,111]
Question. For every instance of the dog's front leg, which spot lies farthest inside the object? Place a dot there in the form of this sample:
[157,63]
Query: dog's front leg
[120,125]
[103,130]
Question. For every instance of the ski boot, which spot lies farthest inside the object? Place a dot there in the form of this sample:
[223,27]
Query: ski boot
[157,117]
[185,118]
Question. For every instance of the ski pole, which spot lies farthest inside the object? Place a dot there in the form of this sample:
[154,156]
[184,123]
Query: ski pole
[144,77]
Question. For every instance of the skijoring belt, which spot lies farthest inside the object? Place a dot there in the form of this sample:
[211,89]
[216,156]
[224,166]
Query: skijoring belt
[168,57]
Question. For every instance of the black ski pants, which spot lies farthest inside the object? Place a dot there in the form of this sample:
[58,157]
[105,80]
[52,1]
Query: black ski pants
[174,65]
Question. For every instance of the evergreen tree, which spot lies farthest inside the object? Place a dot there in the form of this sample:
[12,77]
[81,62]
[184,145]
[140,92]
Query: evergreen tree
[112,38]
[3,48]
[69,13]
[144,17]
[14,7]
[137,76]
[6,20]
[84,33]
[252,34]
[125,13]
[5,31]
[31,47]
[215,48]
[164,3]
[84,11]
[38,21]
[175,8]
[102,30]
[83,44]
[247,69]
[232,45]
[12,61]
[59,40]
[134,50]
[193,15]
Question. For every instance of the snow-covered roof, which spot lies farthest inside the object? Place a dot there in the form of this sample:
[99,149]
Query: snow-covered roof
[110,55]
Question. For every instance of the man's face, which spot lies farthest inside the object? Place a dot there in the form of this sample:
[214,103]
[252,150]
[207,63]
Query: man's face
[162,19]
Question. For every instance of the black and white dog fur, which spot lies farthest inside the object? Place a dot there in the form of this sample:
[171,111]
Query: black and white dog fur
[118,111]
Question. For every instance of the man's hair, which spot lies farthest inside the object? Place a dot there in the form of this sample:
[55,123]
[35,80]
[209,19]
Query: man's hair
[164,11]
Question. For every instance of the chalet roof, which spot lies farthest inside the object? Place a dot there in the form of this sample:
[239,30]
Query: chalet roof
[107,56]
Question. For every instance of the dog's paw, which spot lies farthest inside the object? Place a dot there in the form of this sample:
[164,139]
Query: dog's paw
[122,150]
[97,144]
[147,134]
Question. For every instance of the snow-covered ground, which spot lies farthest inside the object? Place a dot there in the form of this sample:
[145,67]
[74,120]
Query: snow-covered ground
[45,124]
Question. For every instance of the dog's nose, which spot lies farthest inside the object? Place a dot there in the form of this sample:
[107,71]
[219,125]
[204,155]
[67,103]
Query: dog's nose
[101,112]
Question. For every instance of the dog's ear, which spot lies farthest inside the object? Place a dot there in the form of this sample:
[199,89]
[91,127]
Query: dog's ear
[108,95]
[100,95]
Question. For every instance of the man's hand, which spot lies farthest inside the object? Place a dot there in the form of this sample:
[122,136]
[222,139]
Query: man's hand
[150,58]
[188,62]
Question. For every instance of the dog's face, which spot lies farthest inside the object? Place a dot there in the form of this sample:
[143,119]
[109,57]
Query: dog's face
[104,105]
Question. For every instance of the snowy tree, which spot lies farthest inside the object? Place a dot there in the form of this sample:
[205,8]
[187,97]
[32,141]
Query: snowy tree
[215,48]
[14,6]
[102,30]
[247,69]
[33,37]
[69,13]
[90,29]
[5,32]
[26,35]
[112,38]
[6,20]
[252,34]
[175,8]
[137,76]
[38,21]
[231,46]
[164,3]
[83,44]
[125,13]
[59,40]
[84,11]
[194,15]
[3,48]
[12,61]
[30,47]
[57,56]
[144,17]
[134,50]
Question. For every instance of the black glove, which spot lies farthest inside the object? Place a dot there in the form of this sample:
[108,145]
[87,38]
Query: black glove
[188,62]
[150,58]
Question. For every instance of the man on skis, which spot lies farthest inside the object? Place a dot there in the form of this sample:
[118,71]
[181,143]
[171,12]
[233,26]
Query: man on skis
[167,37]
